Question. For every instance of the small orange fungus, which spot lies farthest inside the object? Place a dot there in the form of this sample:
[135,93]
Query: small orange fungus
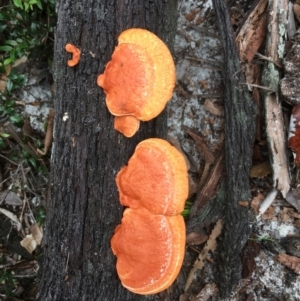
[150,241]
[128,125]
[140,78]
[76,55]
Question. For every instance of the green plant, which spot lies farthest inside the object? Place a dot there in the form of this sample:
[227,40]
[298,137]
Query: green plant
[7,282]
[26,31]
[262,238]
[187,208]
[40,216]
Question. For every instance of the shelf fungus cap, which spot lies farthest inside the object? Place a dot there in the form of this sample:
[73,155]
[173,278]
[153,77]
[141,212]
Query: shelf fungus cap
[155,178]
[294,133]
[149,249]
[140,78]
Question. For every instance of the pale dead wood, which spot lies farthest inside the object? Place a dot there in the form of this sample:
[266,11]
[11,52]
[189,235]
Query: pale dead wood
[49,134]
[273,112]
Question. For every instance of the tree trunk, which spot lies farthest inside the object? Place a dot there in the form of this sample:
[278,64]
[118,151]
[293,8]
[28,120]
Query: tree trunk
[84,207]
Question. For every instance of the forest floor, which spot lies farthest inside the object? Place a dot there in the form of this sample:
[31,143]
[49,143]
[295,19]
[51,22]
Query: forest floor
[195,116]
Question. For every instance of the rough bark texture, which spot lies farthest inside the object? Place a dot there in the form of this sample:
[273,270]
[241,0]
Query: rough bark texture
[84,207]
[239,136]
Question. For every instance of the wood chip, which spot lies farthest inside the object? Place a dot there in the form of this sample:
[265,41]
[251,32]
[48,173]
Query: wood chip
[213,108]
[256,201]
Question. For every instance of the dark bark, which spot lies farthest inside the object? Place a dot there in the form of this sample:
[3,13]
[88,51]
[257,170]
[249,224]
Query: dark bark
[84,207]
[239,135]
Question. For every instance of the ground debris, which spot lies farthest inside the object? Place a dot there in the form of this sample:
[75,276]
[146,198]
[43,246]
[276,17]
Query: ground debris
[291,262]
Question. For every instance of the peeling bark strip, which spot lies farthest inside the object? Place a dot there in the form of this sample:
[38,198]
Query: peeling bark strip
[87,152]
[270,78]
[239,135]
[252,34]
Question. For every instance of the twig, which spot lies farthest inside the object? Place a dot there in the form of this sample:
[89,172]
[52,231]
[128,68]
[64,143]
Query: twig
[258,86]
[12,162]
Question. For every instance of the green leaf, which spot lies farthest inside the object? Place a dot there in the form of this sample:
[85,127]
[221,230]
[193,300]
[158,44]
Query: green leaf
[11,42]
[32,161]
[8,61]
[4,135]
[39,4]
[18,3]
[2,145]
[9,85]
[6,48]
[16,118]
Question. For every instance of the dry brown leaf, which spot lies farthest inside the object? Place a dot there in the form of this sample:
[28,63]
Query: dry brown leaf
[210,246]
[184,297]
[256,201]
[37,233]
[249,252]
[269,214]
[291,262]
[296,9]
[213,108]
[210,290]
[261,170]
[10,198]
[195,238]
[297,223]
[243,203]
[201,146]
[4,78]
[12,217]
[3,83]
[29,243]
[284,215]
[293,197]
[293,214]
[26,128]
[203,84]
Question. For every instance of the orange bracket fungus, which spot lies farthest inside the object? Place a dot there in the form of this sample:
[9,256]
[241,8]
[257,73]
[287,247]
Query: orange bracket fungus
[76,55]
[294,133]
[139,79]
[150,241]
